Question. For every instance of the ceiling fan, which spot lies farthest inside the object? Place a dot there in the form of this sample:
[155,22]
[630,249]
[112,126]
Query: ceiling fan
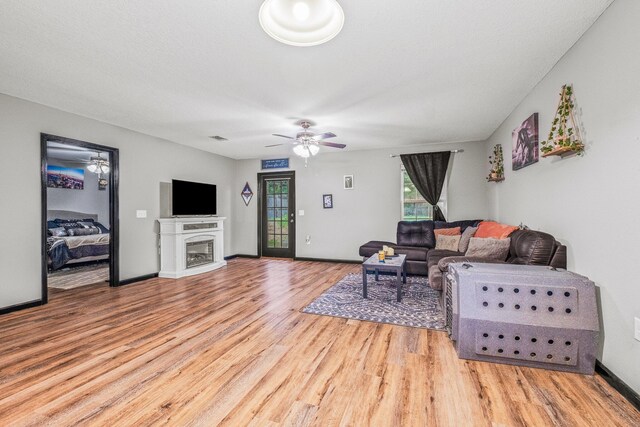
[307,143]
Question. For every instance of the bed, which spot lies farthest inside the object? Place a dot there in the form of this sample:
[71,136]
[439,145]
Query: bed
[75,237]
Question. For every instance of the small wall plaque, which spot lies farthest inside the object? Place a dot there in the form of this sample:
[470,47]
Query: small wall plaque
[327,201]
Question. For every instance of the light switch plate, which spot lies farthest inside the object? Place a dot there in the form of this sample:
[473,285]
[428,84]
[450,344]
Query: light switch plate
[301,212]
[636,335]
[141,214]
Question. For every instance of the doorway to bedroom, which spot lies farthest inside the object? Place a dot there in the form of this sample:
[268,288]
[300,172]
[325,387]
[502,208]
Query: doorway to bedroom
[79,214]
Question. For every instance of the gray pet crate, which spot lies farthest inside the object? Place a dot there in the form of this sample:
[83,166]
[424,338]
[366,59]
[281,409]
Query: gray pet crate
[522,315]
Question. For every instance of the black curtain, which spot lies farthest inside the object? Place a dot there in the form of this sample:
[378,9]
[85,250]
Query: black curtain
[428,172]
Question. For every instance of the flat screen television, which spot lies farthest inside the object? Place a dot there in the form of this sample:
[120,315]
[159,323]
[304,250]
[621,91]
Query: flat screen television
[193,198]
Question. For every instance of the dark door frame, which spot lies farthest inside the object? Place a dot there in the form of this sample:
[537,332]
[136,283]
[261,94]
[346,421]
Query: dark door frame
[292,191]
[114,240]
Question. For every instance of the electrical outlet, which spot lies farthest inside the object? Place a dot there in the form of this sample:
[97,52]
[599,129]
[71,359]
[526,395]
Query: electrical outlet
[301,212]
[636,335]
[308,240]
[141,214]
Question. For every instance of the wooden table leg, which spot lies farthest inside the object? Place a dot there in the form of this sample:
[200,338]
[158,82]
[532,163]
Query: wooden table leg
[377,275]
[398,285]
[364,282]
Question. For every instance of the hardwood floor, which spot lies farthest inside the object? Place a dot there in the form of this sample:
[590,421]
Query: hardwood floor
[231,347]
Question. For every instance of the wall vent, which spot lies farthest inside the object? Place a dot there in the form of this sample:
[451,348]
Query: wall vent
[218,138]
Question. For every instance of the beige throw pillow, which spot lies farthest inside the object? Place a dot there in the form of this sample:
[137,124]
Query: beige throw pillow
[449,243]
[489,248]
[466,238]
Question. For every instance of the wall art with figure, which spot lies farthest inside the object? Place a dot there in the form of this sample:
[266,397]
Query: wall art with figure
[525,143]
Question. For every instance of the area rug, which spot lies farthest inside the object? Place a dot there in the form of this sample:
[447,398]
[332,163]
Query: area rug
[75,276]
[419,306]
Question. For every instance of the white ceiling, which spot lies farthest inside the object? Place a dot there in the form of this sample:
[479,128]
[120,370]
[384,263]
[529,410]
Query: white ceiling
[400,72]
[70,153]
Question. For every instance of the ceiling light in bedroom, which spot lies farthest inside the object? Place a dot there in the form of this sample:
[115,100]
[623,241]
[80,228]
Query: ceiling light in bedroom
[301,22]
[98,165]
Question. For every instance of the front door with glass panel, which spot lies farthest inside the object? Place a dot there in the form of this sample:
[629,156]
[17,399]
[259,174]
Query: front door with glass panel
[277,222]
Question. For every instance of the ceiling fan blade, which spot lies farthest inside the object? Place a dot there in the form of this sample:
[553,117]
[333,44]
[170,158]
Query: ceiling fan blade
[332,144]
[283,136]
[273,145]
[324,136]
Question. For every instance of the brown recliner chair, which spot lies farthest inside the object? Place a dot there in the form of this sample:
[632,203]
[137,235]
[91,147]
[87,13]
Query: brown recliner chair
[527,247]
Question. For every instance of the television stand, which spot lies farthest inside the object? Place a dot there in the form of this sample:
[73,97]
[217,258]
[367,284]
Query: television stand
[190,245]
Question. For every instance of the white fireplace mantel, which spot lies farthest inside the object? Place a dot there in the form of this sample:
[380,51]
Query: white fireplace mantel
[176,233]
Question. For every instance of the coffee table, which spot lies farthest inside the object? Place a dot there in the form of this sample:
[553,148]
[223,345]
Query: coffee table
[394,264]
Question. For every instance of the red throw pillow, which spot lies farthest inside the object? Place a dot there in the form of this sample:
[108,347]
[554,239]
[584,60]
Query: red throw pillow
[494,230]
[447,231]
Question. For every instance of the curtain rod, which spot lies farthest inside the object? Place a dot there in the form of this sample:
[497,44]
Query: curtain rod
[453,151]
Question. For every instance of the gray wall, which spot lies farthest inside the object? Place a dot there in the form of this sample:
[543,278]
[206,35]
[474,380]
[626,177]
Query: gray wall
[368,212]
[88,200]
[590,203]
[145,161]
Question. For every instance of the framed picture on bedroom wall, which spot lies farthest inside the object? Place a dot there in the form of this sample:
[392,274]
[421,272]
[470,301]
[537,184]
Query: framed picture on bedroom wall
[65,177]
[525,143]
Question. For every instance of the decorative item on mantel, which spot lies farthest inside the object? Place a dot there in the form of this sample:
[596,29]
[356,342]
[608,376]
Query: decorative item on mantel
[496,160]
[563,140]
[246,194]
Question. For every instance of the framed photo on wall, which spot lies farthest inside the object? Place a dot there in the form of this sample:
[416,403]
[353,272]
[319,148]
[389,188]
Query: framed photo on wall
[65,177]
[525,143]
[327,201]
[348,182]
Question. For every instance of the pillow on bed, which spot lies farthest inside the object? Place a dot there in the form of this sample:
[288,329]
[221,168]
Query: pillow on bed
[85,224]
[103,229]
[68,225]
[57,232]
[83,231]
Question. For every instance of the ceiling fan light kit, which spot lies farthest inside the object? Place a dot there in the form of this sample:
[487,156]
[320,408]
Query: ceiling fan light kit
[301,22]
[307,143]
[98,165]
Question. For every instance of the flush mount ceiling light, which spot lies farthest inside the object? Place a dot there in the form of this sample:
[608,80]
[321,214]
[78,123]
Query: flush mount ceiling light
[301,22]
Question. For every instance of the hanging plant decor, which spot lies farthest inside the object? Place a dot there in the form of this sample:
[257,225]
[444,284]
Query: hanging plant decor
[564,136]
[496,160]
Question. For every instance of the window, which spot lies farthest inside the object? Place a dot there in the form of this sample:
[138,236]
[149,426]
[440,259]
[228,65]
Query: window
[414,206]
